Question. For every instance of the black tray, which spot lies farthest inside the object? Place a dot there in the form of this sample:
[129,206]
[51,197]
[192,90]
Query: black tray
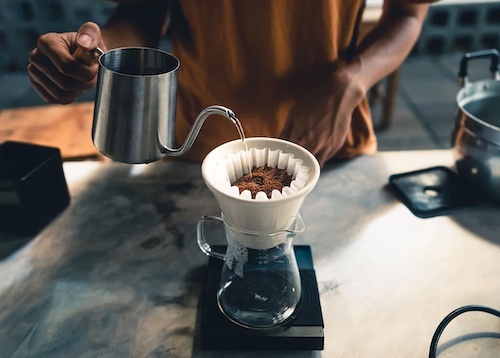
[432,191]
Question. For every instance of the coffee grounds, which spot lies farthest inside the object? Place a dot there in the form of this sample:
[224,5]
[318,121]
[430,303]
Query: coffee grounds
[264,179]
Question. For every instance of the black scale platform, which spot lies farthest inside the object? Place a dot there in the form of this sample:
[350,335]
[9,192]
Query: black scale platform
[304,331]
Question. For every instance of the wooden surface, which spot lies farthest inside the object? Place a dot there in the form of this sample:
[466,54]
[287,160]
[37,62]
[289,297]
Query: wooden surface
[66,127]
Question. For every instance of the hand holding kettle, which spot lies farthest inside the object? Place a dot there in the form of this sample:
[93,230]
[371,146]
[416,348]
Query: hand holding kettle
[135,105]
[56,73]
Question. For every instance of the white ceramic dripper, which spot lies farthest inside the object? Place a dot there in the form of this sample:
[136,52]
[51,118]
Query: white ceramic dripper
[258,216]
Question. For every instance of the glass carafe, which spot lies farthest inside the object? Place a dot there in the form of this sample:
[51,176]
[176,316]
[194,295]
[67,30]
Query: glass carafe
[260,282]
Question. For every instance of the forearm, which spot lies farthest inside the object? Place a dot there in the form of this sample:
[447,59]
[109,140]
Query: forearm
[387,45]
[136,23]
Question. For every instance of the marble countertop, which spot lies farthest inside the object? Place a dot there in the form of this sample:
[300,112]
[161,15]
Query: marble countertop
[119,272]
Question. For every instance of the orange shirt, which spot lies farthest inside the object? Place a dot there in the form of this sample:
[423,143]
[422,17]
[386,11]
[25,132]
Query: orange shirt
[258,58]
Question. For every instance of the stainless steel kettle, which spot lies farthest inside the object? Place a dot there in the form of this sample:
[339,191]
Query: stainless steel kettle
[476,132]
[135,106]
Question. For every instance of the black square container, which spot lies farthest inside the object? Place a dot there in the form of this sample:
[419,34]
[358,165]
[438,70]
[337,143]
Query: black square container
[33,189]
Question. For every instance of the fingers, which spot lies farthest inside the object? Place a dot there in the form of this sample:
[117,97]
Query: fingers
[55,73]
[50,98]
[89,36]
[49,91]
[58,49]
[69,81]
[321,145]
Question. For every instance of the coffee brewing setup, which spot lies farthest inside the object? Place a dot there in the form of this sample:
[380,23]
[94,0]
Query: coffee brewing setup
[261,290]
[265,285]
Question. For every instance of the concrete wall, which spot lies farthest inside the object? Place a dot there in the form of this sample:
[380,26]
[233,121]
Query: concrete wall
[460,26]
[23,21]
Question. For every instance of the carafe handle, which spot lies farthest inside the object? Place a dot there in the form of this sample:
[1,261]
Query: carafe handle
[248,239]
[202,241]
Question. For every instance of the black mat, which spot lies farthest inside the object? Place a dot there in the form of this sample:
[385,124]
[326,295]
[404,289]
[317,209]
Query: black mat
[432,191]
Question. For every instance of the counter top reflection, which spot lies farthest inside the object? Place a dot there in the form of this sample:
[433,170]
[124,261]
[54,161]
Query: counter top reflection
[119,273]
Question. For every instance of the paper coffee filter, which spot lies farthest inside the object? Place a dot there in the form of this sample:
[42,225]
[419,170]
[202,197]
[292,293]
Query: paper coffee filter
[235,164]
[229,161]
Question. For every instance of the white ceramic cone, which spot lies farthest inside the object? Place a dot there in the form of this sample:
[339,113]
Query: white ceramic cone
[253,215]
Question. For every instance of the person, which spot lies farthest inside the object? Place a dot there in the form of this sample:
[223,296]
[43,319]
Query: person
[292,69]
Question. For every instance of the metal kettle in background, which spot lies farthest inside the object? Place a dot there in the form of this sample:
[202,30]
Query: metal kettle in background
[476,132]
[135,106]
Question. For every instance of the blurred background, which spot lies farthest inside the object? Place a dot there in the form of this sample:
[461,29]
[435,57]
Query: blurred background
[412,109]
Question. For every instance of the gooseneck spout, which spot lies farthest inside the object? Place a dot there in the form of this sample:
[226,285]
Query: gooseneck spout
[195,129]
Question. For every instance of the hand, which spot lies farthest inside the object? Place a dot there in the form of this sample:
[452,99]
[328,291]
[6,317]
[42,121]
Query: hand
[322,120]
[55,73]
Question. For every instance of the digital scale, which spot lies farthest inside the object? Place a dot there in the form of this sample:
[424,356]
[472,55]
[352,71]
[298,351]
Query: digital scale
[303,331]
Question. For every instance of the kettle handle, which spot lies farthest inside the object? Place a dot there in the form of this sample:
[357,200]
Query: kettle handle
[491,53]
[87,57]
